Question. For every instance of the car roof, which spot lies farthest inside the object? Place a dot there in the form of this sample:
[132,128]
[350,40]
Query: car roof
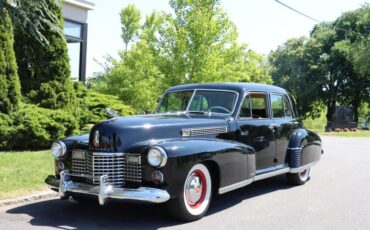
[239,87]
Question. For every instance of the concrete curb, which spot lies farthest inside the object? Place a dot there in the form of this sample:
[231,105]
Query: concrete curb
[29,198]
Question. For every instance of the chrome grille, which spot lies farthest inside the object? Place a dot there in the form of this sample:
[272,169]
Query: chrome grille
[119,167]
[205,131]
[78,162]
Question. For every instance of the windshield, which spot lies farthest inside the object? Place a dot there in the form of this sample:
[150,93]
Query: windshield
[202,101]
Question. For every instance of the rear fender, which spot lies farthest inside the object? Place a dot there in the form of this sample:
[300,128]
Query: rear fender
[304,148]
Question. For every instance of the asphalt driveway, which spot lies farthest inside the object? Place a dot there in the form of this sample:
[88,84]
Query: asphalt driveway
[336,197]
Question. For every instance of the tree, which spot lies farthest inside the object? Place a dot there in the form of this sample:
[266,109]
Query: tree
[291,69]
[130,20]
[44,69]
[10,94]
[331,66]
[32,17]
[196,44]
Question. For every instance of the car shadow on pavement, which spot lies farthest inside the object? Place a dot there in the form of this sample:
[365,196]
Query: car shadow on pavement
[122,215]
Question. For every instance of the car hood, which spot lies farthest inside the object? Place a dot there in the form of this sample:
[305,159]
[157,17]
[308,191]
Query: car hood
[130,134]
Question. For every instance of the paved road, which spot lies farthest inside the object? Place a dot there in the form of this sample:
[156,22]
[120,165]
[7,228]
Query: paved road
[337,197]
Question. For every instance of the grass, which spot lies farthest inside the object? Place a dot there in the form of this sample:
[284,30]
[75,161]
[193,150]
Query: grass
[358,133]
[318,126]
[24,172]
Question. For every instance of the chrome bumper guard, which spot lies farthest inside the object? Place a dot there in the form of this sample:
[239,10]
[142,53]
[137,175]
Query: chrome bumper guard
[104,190]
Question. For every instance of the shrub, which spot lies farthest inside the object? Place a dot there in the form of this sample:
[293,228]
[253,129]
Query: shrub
[92,105]
[32,127]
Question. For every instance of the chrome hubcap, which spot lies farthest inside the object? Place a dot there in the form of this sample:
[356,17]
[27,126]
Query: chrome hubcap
[193,189]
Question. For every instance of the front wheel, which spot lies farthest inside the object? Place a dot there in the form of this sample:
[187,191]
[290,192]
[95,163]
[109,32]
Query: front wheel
[195,199]
[299,178]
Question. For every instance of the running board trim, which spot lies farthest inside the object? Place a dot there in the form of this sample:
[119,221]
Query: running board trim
[264,176]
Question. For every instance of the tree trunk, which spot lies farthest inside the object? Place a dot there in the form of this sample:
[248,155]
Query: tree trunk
[356,103]
[329,115]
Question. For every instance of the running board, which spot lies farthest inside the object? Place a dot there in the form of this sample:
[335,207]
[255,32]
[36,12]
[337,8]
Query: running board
[265,173]
[271,174]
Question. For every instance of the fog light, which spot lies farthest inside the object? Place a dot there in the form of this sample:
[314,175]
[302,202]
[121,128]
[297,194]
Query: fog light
[157,177]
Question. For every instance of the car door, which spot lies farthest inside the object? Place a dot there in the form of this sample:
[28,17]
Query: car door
[284,122]
[253,128]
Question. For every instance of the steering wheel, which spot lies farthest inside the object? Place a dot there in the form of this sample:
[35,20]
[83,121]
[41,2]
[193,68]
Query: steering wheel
[219,108]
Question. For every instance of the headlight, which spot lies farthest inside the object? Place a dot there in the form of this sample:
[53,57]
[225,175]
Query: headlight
[157,157]
[58,149]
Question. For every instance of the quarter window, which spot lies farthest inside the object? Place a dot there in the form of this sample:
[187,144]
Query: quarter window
[277,106]
[287,108]
[280,106]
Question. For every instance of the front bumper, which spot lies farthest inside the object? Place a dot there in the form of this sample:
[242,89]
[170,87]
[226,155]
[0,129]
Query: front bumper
[104,190]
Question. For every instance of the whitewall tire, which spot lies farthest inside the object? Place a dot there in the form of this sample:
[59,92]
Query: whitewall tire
[195,199]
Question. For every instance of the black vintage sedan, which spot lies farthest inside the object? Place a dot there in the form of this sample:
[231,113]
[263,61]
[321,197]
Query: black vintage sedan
[203,139]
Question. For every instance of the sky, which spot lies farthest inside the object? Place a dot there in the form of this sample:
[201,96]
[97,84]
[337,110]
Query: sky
[262,24]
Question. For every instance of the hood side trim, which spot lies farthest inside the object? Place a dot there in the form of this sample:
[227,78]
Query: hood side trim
[204,131]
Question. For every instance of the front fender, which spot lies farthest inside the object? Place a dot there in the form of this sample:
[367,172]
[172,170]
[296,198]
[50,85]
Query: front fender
[230,158]
[305,147]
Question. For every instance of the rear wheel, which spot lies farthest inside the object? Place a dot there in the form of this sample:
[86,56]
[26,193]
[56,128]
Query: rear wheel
[299,178]
[195,199]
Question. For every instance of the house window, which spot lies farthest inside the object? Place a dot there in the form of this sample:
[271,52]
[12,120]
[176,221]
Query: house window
[76,36]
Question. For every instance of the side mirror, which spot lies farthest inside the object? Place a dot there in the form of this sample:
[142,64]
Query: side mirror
[111,112]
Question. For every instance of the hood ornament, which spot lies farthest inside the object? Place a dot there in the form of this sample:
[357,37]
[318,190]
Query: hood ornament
[111,112]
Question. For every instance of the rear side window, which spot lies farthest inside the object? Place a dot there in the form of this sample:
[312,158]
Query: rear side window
[254,106]
[280,106]
[277,106]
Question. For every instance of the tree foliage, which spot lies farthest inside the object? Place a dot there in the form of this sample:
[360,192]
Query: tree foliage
[330,67]
[10,94]
[198,43]
[44,69]
[130,20]
[32,17]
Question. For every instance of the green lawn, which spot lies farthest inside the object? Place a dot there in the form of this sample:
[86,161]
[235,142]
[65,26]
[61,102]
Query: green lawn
[358,133]
[24,172]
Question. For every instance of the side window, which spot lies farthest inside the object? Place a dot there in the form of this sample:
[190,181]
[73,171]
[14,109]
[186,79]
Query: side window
[245,110]
[259,105]
[277,106]
[287,108]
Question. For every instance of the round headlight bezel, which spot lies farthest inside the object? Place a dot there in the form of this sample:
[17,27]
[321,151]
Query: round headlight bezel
[58,149]
[160,154]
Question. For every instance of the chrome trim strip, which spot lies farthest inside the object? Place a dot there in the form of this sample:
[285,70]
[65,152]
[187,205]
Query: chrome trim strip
[235,186]
[271,174]
[300,169]
[104,191]
[294,148]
